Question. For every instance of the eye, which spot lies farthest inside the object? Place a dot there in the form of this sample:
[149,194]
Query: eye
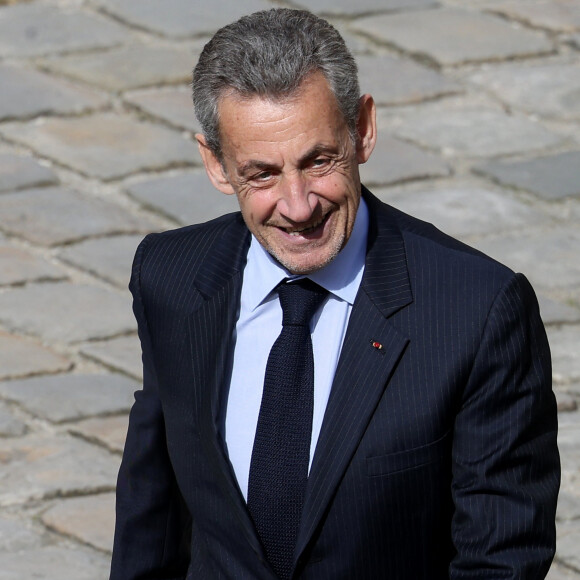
[262,176]
[262,179]
[320,165]
[320,162]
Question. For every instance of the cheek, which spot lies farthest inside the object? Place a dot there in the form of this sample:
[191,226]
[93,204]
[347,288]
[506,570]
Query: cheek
[331,187]
[341,191]
[256,205]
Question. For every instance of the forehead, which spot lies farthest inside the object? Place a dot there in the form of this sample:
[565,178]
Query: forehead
[310,112]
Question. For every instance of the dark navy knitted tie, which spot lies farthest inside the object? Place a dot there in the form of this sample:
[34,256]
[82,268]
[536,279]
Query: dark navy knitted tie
[281,453]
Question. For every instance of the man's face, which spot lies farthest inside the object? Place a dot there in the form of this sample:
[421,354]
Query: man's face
[294,168]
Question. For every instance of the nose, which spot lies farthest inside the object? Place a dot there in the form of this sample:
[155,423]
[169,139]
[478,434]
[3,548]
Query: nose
[296,203]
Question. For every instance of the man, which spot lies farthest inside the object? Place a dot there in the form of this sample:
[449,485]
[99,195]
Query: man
[416,440]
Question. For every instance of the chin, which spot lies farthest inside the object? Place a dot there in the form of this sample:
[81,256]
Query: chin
[305,266]
[308,260]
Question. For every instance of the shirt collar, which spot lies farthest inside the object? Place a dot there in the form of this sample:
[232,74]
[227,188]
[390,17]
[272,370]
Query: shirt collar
[342,277]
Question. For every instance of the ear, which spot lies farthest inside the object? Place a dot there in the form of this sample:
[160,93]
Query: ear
[366,128]
[213,167]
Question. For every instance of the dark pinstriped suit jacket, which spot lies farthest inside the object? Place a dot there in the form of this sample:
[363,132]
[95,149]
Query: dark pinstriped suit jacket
[437,456]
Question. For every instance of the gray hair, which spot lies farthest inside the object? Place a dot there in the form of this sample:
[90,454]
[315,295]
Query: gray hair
[269,54]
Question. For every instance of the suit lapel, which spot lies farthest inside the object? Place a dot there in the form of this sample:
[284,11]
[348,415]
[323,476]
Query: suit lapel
[210,330]
[369,356]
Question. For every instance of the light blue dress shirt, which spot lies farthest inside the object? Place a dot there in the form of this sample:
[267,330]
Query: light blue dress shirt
[259,324]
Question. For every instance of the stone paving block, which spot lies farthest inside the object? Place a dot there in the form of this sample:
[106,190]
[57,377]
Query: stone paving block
[565,402]
[106,146]
[548,258]
[394,161]
[568,506]
[550,177]
[568,445]
[35,29]
[573,389]
[110,432]
[568,438]
[108,258]
[26,93]
[172,105]
[51,562]
[66,312]
[18,266]
[558,572]
[16,535]
[19,172]
[394,81]
[128,67]
[121,354]
[569,433]
[180,18]
[187,198]
[43,466]
[568,540]
[556,312]
[574,40]
[471,131]
[465,211]
[89,519]
[70,397]
[451,36]
[57,215]
[356,43]
[20,357]
[347,7]
[10,426]
[556,15]
[565,344]
[551,89]
[570,474]
[574,207]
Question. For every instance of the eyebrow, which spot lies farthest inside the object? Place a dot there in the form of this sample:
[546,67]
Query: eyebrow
[253,164]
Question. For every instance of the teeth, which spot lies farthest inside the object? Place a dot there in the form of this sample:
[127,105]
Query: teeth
[308,229]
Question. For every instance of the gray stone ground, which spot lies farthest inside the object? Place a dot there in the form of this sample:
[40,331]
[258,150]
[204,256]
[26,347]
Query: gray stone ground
[480,134]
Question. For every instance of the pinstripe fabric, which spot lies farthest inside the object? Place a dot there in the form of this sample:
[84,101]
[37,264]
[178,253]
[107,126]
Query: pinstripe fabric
[437,455]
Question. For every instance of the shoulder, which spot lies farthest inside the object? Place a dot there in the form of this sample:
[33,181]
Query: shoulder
[437,265]
[424,243]
[173,254]
[198,238]
[200,235]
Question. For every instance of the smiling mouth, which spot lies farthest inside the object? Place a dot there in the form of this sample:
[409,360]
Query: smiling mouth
[307,230]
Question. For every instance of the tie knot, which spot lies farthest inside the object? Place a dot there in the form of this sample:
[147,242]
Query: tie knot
[299,301]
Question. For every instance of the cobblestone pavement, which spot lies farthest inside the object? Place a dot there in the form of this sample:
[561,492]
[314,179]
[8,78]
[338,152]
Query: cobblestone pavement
[480,134]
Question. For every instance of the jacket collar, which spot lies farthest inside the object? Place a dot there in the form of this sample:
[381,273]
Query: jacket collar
[386,278]
[226,259]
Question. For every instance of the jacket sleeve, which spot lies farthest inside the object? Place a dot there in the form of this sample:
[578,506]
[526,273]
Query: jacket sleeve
[506,469]
[152,524]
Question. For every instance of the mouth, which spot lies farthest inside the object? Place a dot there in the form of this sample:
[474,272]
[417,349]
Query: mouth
[303,231]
